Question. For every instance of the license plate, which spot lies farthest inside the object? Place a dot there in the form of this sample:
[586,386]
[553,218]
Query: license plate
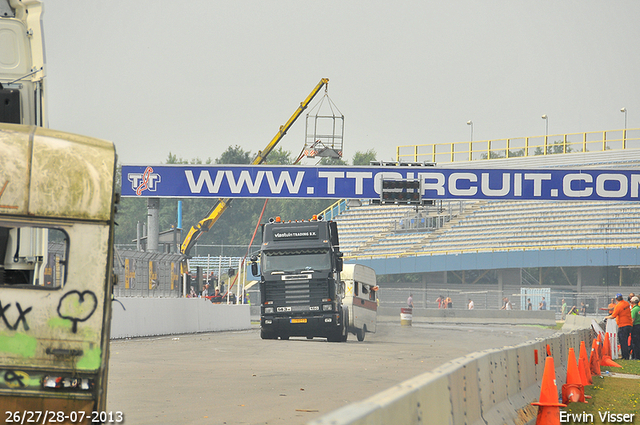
[298,320]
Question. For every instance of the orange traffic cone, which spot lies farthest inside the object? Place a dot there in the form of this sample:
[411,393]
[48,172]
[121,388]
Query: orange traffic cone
[606,360]
[548,406]
[584,359]
[594,361]
[583,375]
[573,390]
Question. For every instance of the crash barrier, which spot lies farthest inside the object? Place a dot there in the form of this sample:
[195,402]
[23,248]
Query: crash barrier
[488,387]
[430,315]
[574,322]
[136,317]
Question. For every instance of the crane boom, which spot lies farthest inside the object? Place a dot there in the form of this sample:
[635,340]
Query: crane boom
[214,214]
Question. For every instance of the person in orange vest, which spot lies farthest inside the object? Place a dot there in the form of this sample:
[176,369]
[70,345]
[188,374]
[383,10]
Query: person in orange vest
[622,314]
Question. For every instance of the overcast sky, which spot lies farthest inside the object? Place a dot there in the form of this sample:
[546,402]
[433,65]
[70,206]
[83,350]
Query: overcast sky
[193,77]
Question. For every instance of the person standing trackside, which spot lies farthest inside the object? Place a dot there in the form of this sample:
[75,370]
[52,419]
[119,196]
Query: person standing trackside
[564,309]
[635,330]
[543,304]
[529,305]
[470,306]
[217,297]
[622,314]
[506,305]
[410,301]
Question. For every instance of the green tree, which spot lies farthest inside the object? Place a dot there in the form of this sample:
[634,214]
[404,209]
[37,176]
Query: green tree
[173,159]
[555,147]
[234,155]
[332,161]
[364,158]
[279,157]
[494,155]
[516,153]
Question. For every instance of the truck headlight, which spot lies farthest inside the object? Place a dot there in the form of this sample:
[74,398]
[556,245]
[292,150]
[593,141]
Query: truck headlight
[328,320]
[327,307]
[268,310]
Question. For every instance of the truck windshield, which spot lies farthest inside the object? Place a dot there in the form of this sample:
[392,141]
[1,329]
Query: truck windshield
[295,260]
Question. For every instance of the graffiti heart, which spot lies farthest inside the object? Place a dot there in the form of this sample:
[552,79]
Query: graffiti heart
[77,306]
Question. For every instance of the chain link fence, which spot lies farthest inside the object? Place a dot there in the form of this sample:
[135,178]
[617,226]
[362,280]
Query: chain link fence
[147,274]
[594,299]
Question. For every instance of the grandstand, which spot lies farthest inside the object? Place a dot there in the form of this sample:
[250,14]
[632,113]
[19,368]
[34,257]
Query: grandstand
[450,227]
[501,243]
[374,230]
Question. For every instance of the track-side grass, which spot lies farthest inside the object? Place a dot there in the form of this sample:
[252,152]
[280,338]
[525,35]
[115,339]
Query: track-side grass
[614,395]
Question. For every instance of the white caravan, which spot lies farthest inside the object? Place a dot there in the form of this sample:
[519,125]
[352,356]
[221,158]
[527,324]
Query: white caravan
[361,298]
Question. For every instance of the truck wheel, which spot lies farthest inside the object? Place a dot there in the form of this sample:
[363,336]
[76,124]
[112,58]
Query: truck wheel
[361,332]
[340,334]
[345,327]
[266,335]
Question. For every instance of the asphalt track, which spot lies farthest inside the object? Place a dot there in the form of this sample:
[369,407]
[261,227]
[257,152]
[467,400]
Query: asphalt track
[237,378]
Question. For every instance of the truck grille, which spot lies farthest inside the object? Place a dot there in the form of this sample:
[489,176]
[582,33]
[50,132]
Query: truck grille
[288,293]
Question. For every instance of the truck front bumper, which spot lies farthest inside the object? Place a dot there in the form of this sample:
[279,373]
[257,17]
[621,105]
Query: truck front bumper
[310,326]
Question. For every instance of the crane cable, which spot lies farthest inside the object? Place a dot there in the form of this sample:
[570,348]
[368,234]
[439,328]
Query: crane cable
[264,207]
[258,225]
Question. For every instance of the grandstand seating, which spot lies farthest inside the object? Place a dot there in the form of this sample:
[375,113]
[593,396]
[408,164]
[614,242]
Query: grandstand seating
[390,228]
[359,224]
[383,230]
[373,230]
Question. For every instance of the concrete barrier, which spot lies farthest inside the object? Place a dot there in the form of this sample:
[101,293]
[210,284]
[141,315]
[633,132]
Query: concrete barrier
[169,316]
[573,322]
[491,386]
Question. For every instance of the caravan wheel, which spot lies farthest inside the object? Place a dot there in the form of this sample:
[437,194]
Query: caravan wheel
[360,333]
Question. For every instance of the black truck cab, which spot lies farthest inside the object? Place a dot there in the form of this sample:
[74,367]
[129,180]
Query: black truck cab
[301,294]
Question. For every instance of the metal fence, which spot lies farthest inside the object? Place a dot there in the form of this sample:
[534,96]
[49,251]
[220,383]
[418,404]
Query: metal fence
[487,297]
[157,275]
[147,274]
[214,265]
[594,141]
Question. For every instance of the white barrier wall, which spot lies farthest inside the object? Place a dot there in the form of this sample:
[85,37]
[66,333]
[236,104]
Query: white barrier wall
[168,316]
[489,387]
[544,318]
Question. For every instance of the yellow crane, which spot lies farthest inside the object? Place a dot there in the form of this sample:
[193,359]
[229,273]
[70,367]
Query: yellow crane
[214,214]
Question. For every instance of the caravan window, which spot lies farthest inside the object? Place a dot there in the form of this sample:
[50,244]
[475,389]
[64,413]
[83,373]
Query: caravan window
[32,257]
